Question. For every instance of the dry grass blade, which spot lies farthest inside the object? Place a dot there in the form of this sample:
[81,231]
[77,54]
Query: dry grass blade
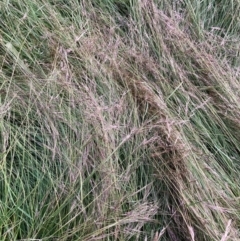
[227,231]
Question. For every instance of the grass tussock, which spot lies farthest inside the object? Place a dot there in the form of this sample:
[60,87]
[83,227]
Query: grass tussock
[119,120]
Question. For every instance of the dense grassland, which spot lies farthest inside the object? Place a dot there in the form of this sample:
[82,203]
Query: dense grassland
[120,120]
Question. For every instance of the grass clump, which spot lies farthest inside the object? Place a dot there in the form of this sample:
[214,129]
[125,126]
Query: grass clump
[119,120]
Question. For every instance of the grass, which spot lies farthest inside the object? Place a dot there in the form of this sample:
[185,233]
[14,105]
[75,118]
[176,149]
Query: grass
[119,120]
